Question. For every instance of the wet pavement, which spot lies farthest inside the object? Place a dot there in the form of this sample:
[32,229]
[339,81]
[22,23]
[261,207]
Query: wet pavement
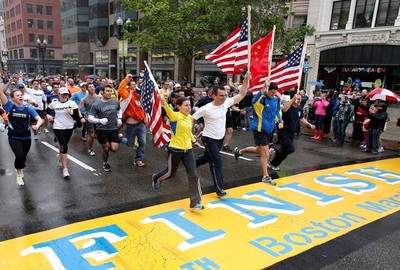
[47,201]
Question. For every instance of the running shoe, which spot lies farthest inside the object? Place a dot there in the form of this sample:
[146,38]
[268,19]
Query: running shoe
[20,180]
[65,173]
[267,179]
[106,167]
[221,193]
[237,153]
[91,152]
[197,207]
[156,186]
[274,168]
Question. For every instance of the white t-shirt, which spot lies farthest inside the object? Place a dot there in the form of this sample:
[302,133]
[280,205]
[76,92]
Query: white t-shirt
[63,119]
[214,118]
[38,96]
[27,99]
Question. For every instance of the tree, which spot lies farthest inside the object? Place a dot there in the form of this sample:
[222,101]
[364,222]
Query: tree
[193,27]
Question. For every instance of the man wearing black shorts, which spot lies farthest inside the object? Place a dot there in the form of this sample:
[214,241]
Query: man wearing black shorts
[104,113]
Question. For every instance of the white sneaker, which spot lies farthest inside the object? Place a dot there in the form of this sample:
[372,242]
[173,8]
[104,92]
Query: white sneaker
[59,160]
[65,173]
[91,152]
[381,150]
[20,180]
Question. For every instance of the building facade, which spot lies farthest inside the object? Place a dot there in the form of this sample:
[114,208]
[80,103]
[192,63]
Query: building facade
[356,44]
[32,30]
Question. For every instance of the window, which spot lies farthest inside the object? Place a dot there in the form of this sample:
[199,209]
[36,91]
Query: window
[18,9]
[340,14]
[50,54]
[19,24]
[32,38]
[30,23]
[364,13]
[34,53]
[20,39]
[21,53]
[29,8]
[387,12]
[299,20]
[101,57]
[49,10]
[50,25]
[39,9]
[40,24]
[50,39]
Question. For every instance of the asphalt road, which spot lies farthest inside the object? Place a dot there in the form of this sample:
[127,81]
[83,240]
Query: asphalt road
[48,201]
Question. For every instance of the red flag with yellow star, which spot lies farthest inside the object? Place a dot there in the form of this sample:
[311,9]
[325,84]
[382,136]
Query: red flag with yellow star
[260,56]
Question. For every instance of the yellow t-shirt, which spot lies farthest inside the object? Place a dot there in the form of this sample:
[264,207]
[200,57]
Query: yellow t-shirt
[181,128]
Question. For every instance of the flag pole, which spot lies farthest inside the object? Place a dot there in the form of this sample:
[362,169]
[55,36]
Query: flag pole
[248,37]
[152,77]
[270,54]
[303,54]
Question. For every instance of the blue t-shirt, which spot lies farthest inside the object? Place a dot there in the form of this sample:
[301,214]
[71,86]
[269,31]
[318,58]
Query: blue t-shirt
[77,97]
[19,120]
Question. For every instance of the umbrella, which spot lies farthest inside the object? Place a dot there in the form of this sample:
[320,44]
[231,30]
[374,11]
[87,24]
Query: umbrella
[316,83]
[383,94]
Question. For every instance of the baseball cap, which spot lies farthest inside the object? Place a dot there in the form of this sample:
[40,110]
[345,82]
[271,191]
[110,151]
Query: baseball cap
[177,85]
[82,84]
[63,90]
[19,85]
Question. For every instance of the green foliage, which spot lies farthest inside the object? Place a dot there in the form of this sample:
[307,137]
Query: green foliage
[188,26]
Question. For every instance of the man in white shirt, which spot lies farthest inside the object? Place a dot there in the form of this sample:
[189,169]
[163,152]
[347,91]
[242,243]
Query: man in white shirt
[214,115]
[40,101]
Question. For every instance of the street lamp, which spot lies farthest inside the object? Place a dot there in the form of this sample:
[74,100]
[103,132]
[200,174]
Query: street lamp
[42,47]
[123,44]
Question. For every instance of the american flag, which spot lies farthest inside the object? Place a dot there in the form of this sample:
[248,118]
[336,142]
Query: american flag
[152,106]
[231,55]
[286,72]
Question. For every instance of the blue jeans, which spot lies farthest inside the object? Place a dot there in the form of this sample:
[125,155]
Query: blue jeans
[213,157]
[249,112]
[131,132]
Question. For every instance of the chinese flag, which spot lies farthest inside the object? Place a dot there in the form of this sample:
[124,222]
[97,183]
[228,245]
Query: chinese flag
[259,62]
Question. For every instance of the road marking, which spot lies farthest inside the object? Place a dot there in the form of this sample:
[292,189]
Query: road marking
[232,155]
[269,224]
[75,160]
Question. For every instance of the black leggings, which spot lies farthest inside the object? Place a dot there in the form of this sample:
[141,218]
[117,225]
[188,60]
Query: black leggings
[63,137]
[20,149]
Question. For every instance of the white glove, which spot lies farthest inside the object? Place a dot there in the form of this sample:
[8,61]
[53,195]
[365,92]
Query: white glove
[103,121]
[119,122]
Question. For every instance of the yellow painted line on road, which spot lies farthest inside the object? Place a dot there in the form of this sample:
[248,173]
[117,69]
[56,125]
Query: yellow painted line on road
[256,226]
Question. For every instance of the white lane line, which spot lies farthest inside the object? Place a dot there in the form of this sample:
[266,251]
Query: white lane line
[76,161]
[232,155]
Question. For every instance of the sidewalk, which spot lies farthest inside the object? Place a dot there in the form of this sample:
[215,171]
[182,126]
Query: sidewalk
[390,138]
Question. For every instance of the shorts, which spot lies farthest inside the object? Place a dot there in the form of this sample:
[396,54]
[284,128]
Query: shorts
[41,113]
[105,136]
[262,138]
[229,122]
[90,128]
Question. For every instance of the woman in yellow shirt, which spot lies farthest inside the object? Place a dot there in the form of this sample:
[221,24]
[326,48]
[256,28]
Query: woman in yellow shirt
[180,148]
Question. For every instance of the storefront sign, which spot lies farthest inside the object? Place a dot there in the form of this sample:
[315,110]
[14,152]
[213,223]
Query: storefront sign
[368,38]
[365,69]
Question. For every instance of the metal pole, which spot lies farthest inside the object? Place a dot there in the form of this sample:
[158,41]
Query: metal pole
[124,66]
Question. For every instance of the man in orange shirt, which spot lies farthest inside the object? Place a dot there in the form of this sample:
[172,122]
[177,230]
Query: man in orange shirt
[72,87]
[133,114]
